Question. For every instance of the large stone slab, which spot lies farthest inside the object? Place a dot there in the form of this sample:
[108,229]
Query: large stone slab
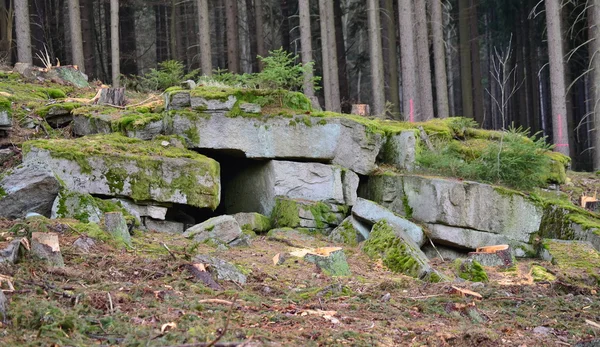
[459,204]
[466,239]
[304,214]
[371,212]
[221,230]
[118,166]
[29,188]
[82,207]
[350,232]
[331,140]
[256,188]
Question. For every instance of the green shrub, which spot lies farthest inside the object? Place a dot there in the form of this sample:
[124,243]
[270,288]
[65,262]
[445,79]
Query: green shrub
[169,73]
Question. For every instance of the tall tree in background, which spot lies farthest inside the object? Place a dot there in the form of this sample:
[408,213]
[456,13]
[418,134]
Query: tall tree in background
[594,34]
[233,39]
[466,76]
[325,54]
[23,31]
[260,34]
[306,46]
[392,56]
[475,62]
[557,77]
[76,34]
[114,42]
[328,48]
[6,29]
[422,45]
[439,59]
[408,60]
[376,58]
[204,38]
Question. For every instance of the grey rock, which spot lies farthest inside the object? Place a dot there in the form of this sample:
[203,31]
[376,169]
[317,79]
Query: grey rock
[84,244]
[350,181]
[115,224]
[253,221]
[223,270]
[315,215]
[222,229]
[332,264]
[152,211]
[371,212]
[74,205]
[350,231]
[148,131]
[45,246]
[177,100]
[5,119]
[400,151]
[244,240]
[467,239]
[503,258]
[189,84]
[250,108]
[3,307]
[163,226]
[212,105]
[29,188]
[10,254]
[91,124]
[447,253]
[543,330]
[459,204]
[257,187]
[333,140]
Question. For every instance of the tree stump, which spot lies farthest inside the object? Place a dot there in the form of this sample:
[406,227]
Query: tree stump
[112,96]
[115,224]
[500,255]
[331,260]
[361,109]
[46,247]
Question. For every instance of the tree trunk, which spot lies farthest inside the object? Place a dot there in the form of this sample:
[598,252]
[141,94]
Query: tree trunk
[594,35]
[76,39]
[342,63]
[557,77]
[260,35]
[87,24]
[204,38]
[450,62]
[408,60]
[466,76]
[376,57]
[233,39]
[23,32]
[392,56]
[439,58]
[424,66]
[127,42]
[306,46]
[285,25]
[476,63]
[333,56]
[114,42]
[251,34]
[325,54]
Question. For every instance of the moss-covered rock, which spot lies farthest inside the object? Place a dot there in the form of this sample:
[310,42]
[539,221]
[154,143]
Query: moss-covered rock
[577,261]
[470,270]
[350,232]
[254,222]
[541,274]
[114,165]
[86,208]
[398,252]
[313,215]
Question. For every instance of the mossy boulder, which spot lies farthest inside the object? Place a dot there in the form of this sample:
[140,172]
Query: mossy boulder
[252,221]
[86,208]
[398,252]
[115,165]
[470,270]
[350,232]
[311,215]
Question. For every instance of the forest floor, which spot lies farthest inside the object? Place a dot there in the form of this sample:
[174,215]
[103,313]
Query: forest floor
[147,297]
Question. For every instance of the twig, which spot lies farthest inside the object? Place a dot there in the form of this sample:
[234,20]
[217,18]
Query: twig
[110,302]
[142,103]
[436,250]
[287,242]
[422,297]
[168,250]
[224,330]
[216,301]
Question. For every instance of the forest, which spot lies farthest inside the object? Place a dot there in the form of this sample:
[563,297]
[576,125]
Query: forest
[508,63]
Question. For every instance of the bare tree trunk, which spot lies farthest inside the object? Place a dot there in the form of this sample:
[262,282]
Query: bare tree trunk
[476,63]
[260,34]
[114,42]
[466,76]
[325,54]
[450,61]
[23,32]
[424,66]
[173,31]
[87,24]
[233,39]
[6,30]
[392,56]
[408,60]
[594,35]
[439,58]
[376,56]
[204,38]
[557,77]
[306,43]
[342,62]
[76,39]
[333,65]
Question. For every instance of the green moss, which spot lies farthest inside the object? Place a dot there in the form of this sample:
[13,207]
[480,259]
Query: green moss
[66,106]
[55,93]
[541,274]
[322,214]
[92,230]
[192,135]
[577,261]
[471,271]
[348,233]
[285,213]
[133,121]
[2,192]
[5,104]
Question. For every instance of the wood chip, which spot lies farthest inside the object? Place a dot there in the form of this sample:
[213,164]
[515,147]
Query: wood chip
[167,326]
[466,292]
[594,324]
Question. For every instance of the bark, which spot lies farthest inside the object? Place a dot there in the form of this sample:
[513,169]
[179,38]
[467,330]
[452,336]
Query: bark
[76,37]
[306,46]
[233,39]
[450,63]
[376,57]
[392,56]
[251,33]
[173,31]
[6,30]
[466,77]
[204,38]
[340,45]
[127,42]
[285,25]
[87,25]
[424,66]
[594,35]
[161,41]
[23,31]
[326,57]
[333,56]
[260,35]
[408,60]
[439,58]
[114,40]
[477,86]
[557,78]
[112,96]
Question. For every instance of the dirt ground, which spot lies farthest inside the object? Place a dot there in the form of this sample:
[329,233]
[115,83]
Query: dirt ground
[147,297]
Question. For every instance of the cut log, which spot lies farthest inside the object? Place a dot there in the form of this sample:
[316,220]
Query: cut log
[361,110]
[112,96]
[330,260]
[46,247]
[199,271]
[115,224]
[499,255]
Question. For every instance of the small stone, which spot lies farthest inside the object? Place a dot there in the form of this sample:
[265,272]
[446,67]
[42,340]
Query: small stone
[10,253]
[165,143]
[163,226]
[250,108]
[494,256]
[222,229]
[253,221]
[84,244]
[115,224]
[386,297]
[542,330]
[224,270]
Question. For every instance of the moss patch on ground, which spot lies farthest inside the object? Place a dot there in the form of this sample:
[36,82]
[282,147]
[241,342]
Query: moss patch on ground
[577,261]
